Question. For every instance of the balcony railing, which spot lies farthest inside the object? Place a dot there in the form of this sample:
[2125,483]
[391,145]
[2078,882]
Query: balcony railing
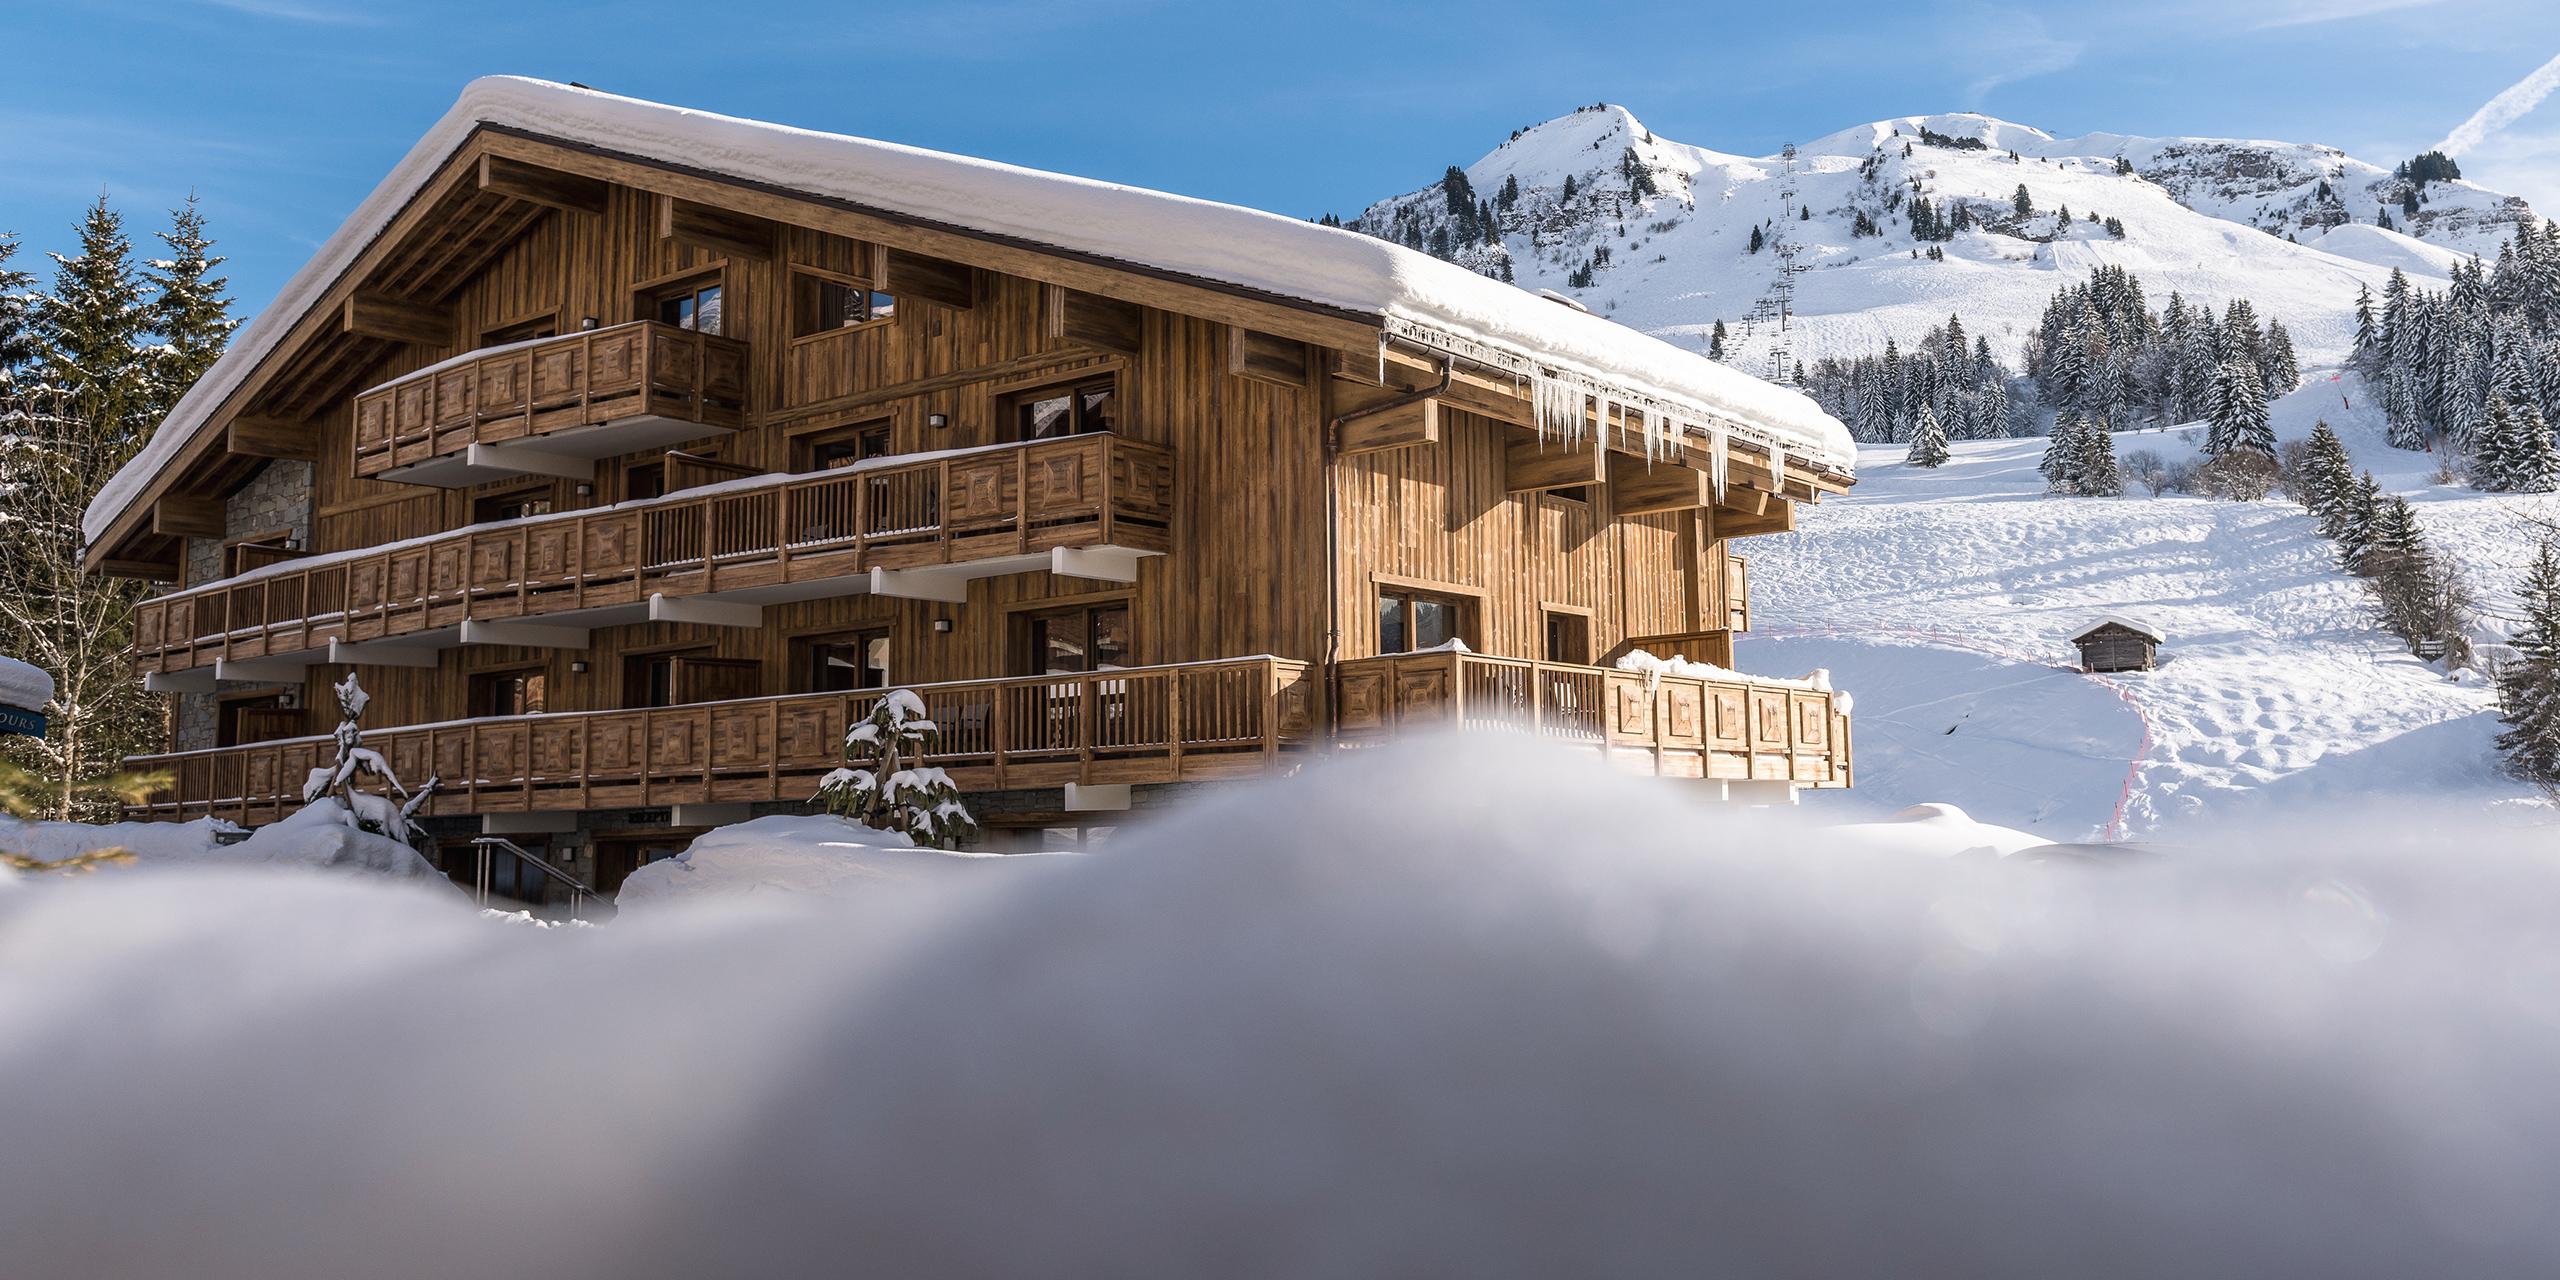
[670,384]
[982,507]
[1225,719]
[1677,726]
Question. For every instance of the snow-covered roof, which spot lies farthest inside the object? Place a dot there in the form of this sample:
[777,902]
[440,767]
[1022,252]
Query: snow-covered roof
[2115,620]
[24,684]
[1414,296]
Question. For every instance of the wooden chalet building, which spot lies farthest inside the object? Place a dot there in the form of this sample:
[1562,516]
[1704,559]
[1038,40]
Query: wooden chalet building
[627,451]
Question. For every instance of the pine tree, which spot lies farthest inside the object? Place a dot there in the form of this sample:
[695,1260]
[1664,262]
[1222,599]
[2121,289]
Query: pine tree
[2529,683]
[2278,369]
[1928,441]
[2094,473]
[2061,455]
[2535,467]
[1715,342]
[188,308]
[17,324]
[2022,204]
[91,333]
[887,786]
[1757,240]
[2329,479]
[2239,412]
[2356,515]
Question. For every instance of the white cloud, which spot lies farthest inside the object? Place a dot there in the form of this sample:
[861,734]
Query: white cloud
[2505,109]
[312,11]
[2522,163]
[2003,46]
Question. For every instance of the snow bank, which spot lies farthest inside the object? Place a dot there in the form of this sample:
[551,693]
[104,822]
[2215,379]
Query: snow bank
[1935,830]
[308,838]
[1362,1023]
[821,857]
[24,684]
[1416,295]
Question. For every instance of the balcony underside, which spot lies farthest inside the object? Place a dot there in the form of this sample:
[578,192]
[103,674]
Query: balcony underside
[566,455]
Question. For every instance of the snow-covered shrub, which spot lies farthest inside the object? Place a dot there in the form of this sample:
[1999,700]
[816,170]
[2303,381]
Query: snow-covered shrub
[2241,475]
[385,813]
[2146,468]
[885,785]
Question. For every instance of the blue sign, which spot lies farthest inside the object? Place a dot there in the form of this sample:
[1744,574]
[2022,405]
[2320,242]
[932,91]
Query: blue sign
[21,720]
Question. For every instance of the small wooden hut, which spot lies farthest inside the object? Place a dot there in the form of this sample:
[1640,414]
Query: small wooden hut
[2118,644]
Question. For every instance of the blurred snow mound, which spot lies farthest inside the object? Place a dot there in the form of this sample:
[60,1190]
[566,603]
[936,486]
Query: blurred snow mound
[1450,1009]
[821,856]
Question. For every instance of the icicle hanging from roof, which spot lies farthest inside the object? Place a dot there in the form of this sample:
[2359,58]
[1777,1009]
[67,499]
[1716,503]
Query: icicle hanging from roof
[1716,456]
[1778,468]
[1558,404]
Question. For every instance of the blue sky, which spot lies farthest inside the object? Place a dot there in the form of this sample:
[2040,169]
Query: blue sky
[284,113]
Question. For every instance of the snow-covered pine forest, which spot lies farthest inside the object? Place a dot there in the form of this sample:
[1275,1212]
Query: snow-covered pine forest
[94,348]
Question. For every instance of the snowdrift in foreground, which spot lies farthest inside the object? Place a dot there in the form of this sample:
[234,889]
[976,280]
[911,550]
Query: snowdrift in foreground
[308,838]
[1449,1012]
[821,857]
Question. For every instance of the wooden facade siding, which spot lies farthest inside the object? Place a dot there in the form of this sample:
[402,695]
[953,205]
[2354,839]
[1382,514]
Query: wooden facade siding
[1671,726]
[1213,465]
[1092,490]
[531,390]
[1189,722]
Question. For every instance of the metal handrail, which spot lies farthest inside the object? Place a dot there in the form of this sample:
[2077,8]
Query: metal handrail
[579,893]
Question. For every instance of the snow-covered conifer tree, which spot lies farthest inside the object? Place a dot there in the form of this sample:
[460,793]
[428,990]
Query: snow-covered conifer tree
[2094,473]
[2061,454]
[188,309]
[887,787]
[2355,522]
[2239,412]
[1928,441]
[2529,683]
[2329,478]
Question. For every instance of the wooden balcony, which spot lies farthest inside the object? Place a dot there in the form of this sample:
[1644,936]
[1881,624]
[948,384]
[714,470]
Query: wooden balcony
[924,526]
[1673,726]
[1236,718]
[551,406]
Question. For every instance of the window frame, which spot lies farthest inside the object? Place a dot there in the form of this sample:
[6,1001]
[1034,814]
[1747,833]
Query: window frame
[805,444]
[545,491]
[1581,619]
[649,294]
[821,277]
[804,650]
[1466,608]
[1012,406]
[532,678]
[1027,655]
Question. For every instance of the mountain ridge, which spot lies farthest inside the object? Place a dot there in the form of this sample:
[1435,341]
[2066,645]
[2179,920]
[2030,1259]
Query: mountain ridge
[1657,233]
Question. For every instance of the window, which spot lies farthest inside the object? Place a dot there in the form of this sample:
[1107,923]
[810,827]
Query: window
[1063,641]
[256,718]
[686,676]
[1051,412]
[1568,638]
[857,660]
[839,447]
[1579,493]
[525,330]
[644,480]
[258,550]
[515,692]
[512,506]
[1410,621]
[692,305]
[820,304]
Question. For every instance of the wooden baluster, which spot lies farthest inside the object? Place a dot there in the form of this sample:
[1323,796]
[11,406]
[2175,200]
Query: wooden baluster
[1173,734]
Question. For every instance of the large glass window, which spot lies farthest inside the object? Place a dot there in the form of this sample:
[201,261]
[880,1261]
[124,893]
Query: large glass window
[858,660]
[1046,414]
[1409,621]
[820,304]
[517,692]
[1067,641]
[840,446]
[695,305]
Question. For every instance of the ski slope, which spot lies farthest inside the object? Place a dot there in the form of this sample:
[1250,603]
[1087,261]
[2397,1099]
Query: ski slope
[1941,600]
[2212,219]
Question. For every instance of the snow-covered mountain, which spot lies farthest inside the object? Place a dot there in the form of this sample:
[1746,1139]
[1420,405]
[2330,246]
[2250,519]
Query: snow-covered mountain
[1657,234]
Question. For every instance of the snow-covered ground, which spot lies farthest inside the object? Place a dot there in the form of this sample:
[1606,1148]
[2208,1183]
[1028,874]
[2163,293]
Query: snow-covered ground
[1361,1023]
[804,858]
[2213,219]
[311,838]
[1941,599]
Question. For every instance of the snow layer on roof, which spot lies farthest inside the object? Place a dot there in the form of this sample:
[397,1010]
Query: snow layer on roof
[1218,243]
[24,684]
[2118,620]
